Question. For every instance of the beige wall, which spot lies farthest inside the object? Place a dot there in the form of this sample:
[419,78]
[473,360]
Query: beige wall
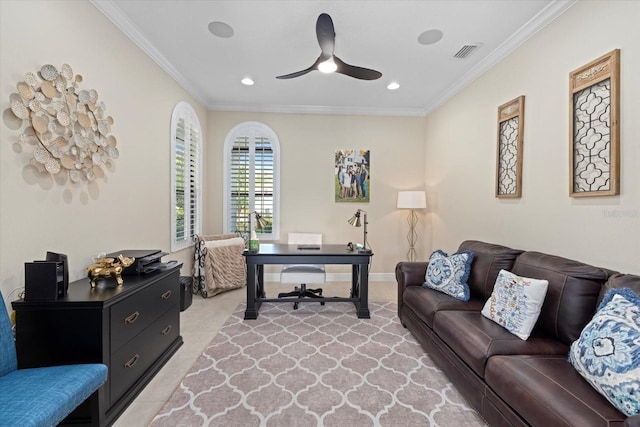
[307,145]
[130,208]
[461,144]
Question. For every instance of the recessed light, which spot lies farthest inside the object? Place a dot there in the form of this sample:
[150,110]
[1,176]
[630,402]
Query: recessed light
[393,86]
[220,29]
[430,37]
[247,81]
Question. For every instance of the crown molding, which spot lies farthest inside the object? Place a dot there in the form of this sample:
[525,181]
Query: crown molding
[528,30]
[317,109]
[115,15]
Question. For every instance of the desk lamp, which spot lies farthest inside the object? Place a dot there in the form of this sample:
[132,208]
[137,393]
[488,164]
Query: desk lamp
[412,200]
[355,221]
[252,245]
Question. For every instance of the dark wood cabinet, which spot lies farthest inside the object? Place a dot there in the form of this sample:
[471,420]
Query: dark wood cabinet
[133,329]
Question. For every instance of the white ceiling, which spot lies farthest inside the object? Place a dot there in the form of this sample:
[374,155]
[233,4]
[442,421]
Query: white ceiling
[278,37]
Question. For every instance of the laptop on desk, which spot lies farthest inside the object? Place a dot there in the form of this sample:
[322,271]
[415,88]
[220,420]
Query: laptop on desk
[304,247]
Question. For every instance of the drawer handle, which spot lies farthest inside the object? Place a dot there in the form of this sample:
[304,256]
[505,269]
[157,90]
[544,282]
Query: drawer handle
[166,330]
[166,295]
[132,318]
[132,361]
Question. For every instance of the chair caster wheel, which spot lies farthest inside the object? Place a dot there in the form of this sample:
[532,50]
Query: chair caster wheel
[322,303]
[295,306]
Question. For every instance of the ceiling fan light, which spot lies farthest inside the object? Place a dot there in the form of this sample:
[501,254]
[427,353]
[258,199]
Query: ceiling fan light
[328,66]
[247,81]
[393,86]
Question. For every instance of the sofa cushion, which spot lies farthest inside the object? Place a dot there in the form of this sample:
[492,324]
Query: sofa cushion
[552,384]
[571,296]
[426,302]
[488,260]
[515,303]
[474,338]
[449,273]
[607,354]
[617,281]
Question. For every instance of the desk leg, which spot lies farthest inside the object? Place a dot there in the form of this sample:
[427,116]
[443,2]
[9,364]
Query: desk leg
[355,281]
[252,311]
[362,287]
[260,279]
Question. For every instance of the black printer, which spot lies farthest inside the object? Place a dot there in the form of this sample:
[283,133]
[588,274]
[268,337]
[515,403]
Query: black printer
[146,260]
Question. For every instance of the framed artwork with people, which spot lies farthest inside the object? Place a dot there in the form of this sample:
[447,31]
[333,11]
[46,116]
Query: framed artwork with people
[352,173]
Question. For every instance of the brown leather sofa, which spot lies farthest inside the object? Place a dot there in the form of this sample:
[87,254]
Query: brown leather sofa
[512,382]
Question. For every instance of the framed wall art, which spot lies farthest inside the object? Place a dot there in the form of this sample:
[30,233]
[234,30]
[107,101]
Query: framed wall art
[594,97]
[509,152]
[352,169]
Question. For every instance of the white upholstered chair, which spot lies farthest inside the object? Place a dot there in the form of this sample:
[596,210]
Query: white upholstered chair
[303,274]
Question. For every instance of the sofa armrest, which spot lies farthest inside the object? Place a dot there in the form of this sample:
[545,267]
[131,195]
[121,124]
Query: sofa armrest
[409,274]
[632,421]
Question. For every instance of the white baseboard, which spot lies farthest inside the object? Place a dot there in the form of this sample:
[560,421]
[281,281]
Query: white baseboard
[340,277]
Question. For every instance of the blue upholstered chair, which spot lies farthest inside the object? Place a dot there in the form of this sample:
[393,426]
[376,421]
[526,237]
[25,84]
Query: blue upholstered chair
[41,396]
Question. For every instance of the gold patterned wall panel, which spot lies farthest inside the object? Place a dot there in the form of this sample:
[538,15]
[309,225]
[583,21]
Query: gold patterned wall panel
[509,156]
[594,96]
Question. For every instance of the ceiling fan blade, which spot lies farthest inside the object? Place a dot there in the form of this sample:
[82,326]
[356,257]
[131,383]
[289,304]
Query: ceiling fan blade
[326,34]
[303,72]
[355,72]
[296,74]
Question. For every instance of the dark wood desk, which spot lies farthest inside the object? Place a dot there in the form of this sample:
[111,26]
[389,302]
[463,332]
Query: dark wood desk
[290,254]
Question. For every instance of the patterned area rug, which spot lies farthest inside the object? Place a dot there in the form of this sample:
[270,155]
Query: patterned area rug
[315,366]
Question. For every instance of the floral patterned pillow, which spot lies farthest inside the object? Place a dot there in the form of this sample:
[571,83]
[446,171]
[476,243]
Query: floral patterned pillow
[607,353]
[449,274]
[515,303]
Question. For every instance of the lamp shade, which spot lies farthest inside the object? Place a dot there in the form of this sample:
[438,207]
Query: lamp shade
[412,200]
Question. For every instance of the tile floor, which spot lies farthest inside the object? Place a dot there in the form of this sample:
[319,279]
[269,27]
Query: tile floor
[198,325]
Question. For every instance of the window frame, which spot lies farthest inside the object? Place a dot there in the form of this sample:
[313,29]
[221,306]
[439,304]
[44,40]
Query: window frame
[185,112]
[252,130]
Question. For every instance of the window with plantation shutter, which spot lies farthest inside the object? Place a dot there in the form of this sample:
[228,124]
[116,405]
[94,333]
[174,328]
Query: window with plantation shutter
[186,176]
[251,179]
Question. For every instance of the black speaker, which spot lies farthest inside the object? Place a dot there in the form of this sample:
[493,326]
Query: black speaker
[60,258]
[44,280]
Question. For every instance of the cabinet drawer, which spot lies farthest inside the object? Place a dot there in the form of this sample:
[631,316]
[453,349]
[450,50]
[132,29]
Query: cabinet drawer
[135,357]
[131,316]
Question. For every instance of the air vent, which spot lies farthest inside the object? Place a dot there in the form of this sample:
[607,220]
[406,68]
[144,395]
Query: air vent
[466,50]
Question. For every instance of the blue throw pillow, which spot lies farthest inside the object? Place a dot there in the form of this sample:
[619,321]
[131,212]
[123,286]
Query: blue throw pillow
[449,274]
[607,353]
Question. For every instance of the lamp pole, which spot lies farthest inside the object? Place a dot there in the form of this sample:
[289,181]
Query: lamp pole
[412,200]
[412,236]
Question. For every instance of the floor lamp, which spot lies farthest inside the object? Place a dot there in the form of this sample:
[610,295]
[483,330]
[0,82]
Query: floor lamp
[412,200]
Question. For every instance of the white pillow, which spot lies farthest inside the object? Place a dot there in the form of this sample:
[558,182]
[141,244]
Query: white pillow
[515,303]
[224,242]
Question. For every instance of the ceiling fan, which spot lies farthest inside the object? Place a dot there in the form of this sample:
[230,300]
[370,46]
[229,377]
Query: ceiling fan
[327,62]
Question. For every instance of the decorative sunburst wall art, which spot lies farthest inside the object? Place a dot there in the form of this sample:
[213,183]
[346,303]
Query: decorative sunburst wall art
[594,91]
[509,158]
[67,126]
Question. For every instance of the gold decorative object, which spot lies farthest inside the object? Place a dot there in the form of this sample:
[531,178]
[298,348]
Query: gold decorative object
[68,128]
[108,267]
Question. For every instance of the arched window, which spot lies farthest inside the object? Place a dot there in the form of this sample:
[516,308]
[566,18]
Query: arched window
[186,176]
[252,179]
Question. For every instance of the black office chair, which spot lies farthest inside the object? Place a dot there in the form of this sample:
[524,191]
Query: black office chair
[303,274]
